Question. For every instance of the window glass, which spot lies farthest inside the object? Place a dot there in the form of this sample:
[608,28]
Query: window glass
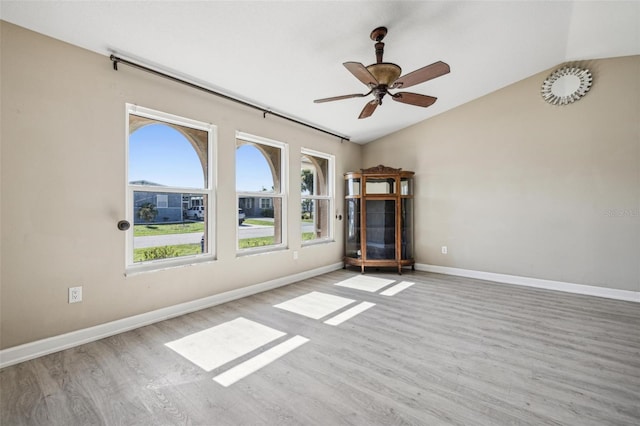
[169,189]
[161,155]
[316,187]
[260,193]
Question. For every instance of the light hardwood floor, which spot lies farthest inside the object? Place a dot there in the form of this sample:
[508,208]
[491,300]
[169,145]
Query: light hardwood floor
[446,350]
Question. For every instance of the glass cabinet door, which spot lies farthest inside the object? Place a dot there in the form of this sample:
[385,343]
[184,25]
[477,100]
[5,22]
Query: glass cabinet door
[381,229]
[352,234]
[406,228]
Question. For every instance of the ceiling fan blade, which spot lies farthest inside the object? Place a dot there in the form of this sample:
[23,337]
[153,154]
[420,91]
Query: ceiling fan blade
[339,98]
[421,75]
[414,99]
[369,108]
[361,73]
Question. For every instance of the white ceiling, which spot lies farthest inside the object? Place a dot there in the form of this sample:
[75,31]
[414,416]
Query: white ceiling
[283,55]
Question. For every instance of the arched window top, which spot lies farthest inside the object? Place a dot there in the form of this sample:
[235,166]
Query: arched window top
[163,154]
[257,168]
[314,175]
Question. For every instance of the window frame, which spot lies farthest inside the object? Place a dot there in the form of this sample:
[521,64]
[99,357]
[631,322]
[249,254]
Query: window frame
[209,191]
[330,196]
[283,194]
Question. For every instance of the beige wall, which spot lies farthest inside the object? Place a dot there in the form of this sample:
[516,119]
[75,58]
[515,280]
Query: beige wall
[513,185]
[63,190]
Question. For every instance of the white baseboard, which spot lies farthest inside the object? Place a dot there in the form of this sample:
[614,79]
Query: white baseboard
[610,293]
[21,353]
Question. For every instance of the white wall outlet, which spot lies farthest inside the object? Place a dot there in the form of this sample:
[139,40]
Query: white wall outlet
[295,255]
[75,294]
[444,250]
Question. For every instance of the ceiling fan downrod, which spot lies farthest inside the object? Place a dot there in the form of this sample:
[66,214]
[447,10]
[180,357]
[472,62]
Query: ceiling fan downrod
[377,35]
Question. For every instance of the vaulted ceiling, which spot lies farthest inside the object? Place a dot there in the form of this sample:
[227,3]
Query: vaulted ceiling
[283,55]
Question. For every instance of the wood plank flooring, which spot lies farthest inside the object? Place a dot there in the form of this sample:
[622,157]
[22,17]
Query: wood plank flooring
[445,351]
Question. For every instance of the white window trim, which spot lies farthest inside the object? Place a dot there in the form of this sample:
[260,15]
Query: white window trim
[283,194]
[209,191]
[331,190]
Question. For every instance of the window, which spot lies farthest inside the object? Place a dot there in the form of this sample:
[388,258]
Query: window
[162,200]
[316,176]
[266,203]
[261,184]
[169,191]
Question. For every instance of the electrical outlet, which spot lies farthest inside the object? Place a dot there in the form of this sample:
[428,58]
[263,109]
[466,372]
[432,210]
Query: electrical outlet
[444,250]
[295,255]
[75,294]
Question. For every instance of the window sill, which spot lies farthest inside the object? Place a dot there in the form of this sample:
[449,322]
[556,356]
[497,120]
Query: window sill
[317,242]
[259,251]
[163,265]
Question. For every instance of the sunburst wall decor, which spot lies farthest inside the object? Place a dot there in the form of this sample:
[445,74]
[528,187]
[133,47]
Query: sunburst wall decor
[566,85]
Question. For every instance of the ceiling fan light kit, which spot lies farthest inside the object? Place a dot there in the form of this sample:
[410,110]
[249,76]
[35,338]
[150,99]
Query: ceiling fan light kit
[566,85]
[382,76]
[385,73]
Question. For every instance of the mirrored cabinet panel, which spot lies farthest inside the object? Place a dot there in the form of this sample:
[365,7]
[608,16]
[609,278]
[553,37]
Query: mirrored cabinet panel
[380,186]
[379,219]
[353,186]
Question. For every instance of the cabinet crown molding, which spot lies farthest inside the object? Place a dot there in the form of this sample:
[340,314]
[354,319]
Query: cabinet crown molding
[381,169]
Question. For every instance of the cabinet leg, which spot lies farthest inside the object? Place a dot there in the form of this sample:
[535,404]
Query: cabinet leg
[362,269]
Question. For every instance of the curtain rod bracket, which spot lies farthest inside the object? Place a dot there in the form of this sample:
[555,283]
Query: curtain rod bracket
[115,62]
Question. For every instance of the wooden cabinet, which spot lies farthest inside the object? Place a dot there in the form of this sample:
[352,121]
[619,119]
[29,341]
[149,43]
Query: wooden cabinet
[379,218]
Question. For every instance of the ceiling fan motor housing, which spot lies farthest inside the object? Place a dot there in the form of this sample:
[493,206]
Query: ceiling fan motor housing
[385,73]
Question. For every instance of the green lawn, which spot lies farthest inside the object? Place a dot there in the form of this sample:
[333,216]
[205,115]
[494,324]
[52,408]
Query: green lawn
[142,254]
[173,228]
[256,242]
[179,250]
[258,222]
[151,253]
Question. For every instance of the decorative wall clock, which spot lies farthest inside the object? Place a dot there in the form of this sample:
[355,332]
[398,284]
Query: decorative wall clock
[566,85]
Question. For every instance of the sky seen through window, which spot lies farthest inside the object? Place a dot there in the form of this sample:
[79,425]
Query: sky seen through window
[162,155]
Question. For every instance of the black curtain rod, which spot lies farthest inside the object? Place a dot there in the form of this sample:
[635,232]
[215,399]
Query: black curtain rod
[116,60]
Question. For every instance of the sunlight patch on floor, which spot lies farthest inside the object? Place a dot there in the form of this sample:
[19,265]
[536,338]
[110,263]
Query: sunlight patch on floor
[216,346]
[349,313]
[365,283]
[392,291]
[315,305]
[263,359]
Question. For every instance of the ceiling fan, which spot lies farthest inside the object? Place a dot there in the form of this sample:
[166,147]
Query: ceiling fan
[383,76]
